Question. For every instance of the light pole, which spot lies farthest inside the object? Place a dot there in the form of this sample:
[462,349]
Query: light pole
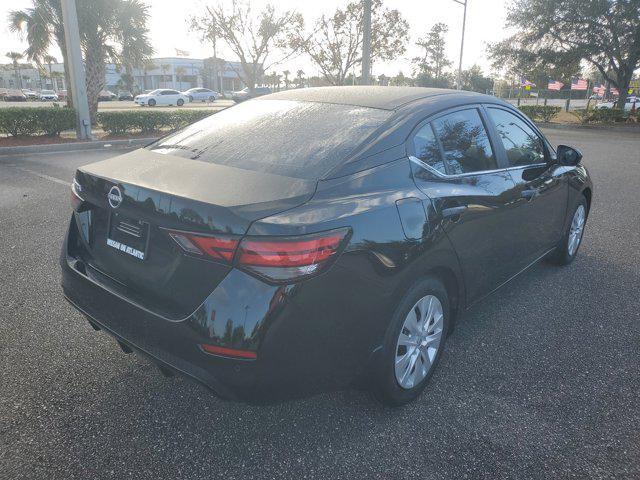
[464,22]
[366,43]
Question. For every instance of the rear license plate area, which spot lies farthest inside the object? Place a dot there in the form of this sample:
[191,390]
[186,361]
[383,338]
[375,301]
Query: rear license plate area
[128,235]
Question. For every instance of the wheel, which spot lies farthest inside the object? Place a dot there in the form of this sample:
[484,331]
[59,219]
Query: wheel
[151,103]
[180,102]
[413,343]
[212,99]
[567,250]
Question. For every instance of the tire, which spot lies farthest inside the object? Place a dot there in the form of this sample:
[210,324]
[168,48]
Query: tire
[212,99]
[566,251]
[151,103]
[180,102]
[395,387]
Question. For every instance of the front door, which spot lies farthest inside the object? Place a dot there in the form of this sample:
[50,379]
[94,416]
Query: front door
[541,189]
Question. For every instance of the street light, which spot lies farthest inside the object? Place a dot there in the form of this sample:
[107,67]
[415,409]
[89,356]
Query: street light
[464,21]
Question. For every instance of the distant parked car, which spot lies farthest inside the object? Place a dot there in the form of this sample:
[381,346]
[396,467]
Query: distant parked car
[62,94]
[106,95]
[125,96]
[162,96]
[628,105]
[201,95]
[30,94]
[15,96]
[246,94]
[48,96]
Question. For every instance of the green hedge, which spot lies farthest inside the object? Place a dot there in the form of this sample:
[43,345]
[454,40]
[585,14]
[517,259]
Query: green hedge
[601,115]
[22,121]
[540,112]
[148,121]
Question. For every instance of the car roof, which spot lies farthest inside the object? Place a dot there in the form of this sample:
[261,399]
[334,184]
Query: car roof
[386,98]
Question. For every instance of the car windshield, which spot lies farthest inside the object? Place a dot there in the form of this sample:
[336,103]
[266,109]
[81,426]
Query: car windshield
[47,92]
[295,139]
[154,92]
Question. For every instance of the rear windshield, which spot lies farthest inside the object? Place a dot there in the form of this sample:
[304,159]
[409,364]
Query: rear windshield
[282,137]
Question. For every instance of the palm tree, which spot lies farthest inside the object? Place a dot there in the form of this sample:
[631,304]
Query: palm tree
[49,60]
[113,30]
[15,56]
[165,67]
[180,72]
[300,78]
[286,74]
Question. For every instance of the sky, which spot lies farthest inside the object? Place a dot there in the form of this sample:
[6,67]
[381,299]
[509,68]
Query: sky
[169,30]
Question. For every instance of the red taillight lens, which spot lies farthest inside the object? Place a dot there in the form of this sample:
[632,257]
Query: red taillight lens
[216,247]
[290,258]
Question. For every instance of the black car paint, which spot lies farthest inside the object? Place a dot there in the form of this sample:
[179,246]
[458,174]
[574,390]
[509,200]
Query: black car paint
[323,333]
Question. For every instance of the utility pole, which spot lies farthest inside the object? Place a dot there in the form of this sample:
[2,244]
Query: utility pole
[366,43]
[464,22]
[76,69]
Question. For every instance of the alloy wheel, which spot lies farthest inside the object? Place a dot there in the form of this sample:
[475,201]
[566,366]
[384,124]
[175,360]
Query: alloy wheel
[576,229]
[419,341]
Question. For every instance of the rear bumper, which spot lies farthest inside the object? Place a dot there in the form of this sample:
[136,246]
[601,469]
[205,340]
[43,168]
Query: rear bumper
[304,344]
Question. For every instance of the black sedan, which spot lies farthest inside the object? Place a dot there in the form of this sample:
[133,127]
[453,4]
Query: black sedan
[318,238]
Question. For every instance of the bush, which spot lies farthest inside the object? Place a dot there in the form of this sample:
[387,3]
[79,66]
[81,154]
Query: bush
[540,112]
[21,121]
[601,115]
[148,121]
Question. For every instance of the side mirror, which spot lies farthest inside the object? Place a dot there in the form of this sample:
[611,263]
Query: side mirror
[568,156]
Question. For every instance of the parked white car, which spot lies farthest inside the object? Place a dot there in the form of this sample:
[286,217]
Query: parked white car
[628,105]
[162,96]
[48,96]
[201,95]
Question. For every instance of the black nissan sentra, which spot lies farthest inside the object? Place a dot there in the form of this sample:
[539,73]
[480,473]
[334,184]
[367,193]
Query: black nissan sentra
[318,238]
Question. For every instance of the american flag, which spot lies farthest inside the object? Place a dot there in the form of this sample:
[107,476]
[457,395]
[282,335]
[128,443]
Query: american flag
[598,89]
[578,84]
[555,85]
[526,83]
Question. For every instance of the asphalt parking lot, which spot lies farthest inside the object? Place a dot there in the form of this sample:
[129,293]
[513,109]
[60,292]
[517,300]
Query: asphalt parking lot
[541,380]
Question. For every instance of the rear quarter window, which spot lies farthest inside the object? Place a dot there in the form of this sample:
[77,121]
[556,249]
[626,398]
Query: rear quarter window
[294,139]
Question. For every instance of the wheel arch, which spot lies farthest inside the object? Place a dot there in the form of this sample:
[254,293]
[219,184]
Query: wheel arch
[587,195]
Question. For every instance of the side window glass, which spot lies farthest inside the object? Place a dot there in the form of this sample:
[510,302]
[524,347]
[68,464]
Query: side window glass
[465,142]
[427,149]
[522,144]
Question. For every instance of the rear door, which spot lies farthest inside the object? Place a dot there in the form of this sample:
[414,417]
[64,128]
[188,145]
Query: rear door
[541,189]
[472,192]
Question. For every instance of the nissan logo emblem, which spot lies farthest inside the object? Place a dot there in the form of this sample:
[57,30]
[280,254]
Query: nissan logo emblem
[115,197]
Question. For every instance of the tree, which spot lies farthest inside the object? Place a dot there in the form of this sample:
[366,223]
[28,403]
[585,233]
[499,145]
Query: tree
[286,74]
[335,45]
[254,39]
[109,30]
[474,80]
[49,59]
[552,33]
[432,64]
[15,56]
[180,72]
[300,78]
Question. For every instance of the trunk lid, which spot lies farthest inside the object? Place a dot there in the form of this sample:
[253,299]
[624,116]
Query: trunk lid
[133,199]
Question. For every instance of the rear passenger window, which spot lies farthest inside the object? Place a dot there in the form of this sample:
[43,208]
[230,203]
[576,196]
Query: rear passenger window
[427,149]
[522,145]
[465,142]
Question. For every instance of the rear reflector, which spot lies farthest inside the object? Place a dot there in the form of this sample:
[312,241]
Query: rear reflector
[229,352]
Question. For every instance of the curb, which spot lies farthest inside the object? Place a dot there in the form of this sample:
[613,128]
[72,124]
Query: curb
[621,127]
[75,146]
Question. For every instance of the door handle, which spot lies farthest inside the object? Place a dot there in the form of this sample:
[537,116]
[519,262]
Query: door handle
[529,194]
[453,212]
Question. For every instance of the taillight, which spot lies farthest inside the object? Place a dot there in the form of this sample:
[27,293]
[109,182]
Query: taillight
[216,247]
[76,198]
[283,259]
[275,259]
[229,352]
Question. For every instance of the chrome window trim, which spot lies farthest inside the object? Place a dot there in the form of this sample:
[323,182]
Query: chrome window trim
[467,174]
